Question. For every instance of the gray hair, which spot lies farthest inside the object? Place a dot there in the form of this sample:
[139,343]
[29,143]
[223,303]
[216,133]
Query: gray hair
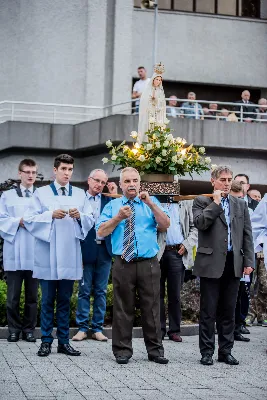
[97,170]
[128,169]
[216,173]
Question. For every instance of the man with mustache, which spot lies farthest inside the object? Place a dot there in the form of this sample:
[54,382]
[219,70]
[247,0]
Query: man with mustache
[132,221]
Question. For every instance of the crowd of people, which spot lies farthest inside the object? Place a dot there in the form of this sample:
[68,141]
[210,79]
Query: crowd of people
[243,110]
[58,233]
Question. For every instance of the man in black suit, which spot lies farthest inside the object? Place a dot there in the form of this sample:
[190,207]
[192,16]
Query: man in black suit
[97,254]
[245,113]
[225,252]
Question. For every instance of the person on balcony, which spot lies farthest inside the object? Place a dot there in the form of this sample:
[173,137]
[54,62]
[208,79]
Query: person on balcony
[192,109]
[245,112]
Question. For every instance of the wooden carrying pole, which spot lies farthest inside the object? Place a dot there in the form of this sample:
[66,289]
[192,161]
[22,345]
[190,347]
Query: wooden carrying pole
[175,198]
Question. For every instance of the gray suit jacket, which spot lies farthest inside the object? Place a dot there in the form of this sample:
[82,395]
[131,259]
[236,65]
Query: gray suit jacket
[212,228]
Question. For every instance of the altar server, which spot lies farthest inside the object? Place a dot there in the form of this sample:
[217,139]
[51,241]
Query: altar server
[59,217]
[18,254]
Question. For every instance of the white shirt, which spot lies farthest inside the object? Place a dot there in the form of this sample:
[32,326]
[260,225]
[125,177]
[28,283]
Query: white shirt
[58,188]
[174,232]
[139,86]
[23,190]
[95,202]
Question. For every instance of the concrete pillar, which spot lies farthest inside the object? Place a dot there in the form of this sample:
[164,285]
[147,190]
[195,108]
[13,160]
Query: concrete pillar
[263,9]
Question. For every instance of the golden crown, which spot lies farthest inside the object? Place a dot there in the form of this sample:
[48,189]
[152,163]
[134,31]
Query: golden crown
[159,68]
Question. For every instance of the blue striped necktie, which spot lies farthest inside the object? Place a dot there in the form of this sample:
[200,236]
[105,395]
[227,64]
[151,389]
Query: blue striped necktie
[128,237]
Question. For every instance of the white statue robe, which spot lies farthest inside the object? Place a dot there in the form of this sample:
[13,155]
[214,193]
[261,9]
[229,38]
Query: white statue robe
[18,252]
[57,241]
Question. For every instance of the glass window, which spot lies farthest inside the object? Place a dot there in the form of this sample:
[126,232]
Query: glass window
[183,5]
[227,7]
[205,6]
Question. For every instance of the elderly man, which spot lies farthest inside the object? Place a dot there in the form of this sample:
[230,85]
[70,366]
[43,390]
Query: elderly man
[172,109]
[262,110]
[255,195]
[97,254]
[224,254]
[192,109]
[132,221]
[245,112]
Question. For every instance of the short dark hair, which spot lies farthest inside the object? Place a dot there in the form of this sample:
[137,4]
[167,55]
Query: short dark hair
[141,67]
[239,175]
[237,187]
[63,158]
[28,162]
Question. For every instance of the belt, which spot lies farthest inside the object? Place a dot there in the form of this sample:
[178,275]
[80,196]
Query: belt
[171,247]
[137,259]
[100,241]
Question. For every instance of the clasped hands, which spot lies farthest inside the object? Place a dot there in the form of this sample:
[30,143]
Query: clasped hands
[60,214]
[126,211]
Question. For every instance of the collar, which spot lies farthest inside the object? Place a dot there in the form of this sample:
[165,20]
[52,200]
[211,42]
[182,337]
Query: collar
[224,198]
[90,196]
[23,188]
[58,186]
[125,199]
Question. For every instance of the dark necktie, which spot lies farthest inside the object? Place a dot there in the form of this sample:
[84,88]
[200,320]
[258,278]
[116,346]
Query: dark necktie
[63,189]
[128,237]
[27,193]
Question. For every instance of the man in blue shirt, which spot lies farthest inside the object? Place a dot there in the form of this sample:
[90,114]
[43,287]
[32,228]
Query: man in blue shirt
[132,221]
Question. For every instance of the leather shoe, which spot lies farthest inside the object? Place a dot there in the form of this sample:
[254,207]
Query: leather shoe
[28,336]
[227,359]
[122,359]
[241,338]
[158,359]
[44,350]
[244,330]
[13,337]
[175,337]
[206,359]
[68,350]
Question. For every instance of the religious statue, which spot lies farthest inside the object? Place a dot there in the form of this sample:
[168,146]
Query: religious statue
[152,109]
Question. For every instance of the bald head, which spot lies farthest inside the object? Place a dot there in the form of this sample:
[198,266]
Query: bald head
[255,194]
[245,95]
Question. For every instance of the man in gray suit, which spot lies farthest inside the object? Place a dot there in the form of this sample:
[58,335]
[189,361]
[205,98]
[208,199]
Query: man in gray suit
[225,252]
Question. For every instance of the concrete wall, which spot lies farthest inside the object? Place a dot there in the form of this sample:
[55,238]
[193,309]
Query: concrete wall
[204,49]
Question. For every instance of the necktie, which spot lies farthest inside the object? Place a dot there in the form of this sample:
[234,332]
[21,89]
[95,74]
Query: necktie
[27,193]
[63,189]
[128,237]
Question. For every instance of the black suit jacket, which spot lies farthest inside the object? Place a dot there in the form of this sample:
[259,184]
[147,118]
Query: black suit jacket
[252,204]
[89,246]
[212,227]
[248,112]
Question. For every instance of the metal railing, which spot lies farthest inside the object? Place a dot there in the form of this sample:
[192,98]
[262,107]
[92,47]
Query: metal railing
[74,114]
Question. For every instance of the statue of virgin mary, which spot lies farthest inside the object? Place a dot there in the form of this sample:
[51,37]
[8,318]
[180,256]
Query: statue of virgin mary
[152,108]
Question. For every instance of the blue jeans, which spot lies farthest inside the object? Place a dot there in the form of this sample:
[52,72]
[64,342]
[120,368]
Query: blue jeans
[95,276]
[60,291]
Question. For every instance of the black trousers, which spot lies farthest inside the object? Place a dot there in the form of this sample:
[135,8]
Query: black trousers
[14,284]
[172,272]
[217,303]
[141,277]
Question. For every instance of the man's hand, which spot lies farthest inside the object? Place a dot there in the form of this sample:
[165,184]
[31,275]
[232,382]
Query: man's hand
[124,212]
[74,213]
[248,270]
[217,196]
[112,187]
[21,223]
[59,214]
[182,250]
[144,196]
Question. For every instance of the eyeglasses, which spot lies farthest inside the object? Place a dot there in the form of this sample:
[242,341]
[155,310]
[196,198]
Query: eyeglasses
[29,172]
[103,183]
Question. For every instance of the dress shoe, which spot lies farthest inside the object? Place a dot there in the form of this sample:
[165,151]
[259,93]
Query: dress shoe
[122,359]
[158,359]
[44,350]
[68,350]
[241,338]
[175,337]
[80,335]
[227,359]
[244,330]
[13,337]
[206,359]
[99,336]
[28,336]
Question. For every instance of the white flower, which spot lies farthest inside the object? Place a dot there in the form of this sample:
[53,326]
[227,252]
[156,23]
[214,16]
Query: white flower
[141,158]
[201,150]
[125,148]
[108,143]
[158,160]
[166,121]
[164,153]
[104,160]
[213,166]
[169,137]
[180,161]
[114,157]
[149,146]
[157,144]
[134,134]
[174,159]
[178,140]
[166,143]
[183,141]
[137,145]
[207,160]
[152,120]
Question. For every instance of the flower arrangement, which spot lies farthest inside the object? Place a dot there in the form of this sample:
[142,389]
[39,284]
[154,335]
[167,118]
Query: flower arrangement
[162,153]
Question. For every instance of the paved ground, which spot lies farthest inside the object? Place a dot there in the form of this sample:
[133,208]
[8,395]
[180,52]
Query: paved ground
[96,376]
